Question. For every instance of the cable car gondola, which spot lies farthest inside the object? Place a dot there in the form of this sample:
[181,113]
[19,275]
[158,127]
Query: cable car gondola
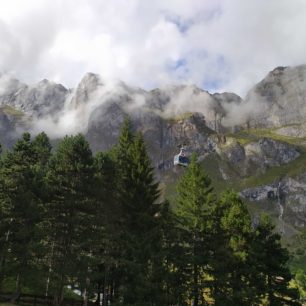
[181,159]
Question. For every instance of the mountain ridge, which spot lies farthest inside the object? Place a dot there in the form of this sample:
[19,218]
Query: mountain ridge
[245,144]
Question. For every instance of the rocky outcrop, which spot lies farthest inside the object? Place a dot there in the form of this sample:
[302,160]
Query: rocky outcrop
[290,192]
[280,98]
[256,157]
[295,130]
[86,89]
[8,133]
[269,152]
[163,136]
[261,193]
[41,99]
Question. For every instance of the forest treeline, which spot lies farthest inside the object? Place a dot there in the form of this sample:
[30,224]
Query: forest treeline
[97,223]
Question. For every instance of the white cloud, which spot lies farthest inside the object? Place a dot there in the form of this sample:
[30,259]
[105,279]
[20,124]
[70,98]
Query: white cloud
[217,44]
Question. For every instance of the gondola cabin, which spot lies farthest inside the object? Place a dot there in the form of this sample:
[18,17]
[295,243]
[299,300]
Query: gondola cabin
[180,159]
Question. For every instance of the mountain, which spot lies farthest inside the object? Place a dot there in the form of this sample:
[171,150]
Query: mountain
[255,145]
[39,99]
[281,95]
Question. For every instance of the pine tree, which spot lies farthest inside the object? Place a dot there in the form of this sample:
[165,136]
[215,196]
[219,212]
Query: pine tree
[194,203]
[41,154]
[105,249]
[140,224]
[230,263]
[71,209]
[175,272]
[42,148]
[23,210]
[271,265]
[5,208]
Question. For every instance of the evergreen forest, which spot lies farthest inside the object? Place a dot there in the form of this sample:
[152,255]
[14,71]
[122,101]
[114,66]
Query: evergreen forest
[98,225]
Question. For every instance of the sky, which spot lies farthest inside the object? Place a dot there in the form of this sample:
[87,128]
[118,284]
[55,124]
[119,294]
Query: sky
[219,45]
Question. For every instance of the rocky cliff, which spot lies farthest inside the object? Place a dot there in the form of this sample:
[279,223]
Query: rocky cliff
[281,97]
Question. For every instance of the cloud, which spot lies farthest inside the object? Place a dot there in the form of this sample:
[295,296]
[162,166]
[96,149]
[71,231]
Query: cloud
[75,117]
[221,45]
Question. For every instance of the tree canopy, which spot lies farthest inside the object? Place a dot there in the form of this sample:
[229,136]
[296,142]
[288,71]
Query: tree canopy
[98,223]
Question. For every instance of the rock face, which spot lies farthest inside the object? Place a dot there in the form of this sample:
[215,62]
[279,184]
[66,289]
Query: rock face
[288,192]
[86,89]
[281,97]
[163,136]
[256,157]
[295,130]
[279,100]
[48,99]
[270,152]
[7,127]
[43,98]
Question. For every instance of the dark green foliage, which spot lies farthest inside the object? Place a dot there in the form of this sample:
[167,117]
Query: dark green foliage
[71,211]
[140,220]
[99,225]
[106,248]
[273,275]
[42,149]
[195,202]
[22,210]
[230,263]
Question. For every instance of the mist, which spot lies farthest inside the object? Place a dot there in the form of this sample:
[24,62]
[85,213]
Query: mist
[75,117]
[89,102]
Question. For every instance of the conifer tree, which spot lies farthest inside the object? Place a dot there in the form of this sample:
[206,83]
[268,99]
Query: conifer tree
[175,272]
[194,203]
[140,221]
[105,249]
[5,207]
[42,154]
[271,266]
[42,148]
[71,211]
[23,232]
[230,263]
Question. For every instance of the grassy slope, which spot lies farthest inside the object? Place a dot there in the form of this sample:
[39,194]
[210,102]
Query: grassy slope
[10,111]
[292,169]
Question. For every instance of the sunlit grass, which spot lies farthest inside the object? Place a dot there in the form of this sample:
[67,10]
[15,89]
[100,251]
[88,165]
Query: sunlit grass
[8,110]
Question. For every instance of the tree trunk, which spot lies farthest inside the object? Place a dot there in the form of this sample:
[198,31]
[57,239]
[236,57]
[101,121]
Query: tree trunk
[3,258]
[85,293]
[49,270]
[59,295]
[2,264]
[111,291]
[195,274]
[270,291]
[16,295]
[85,297]
[98,301]
[195,285]
[58,298]
[105,287]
